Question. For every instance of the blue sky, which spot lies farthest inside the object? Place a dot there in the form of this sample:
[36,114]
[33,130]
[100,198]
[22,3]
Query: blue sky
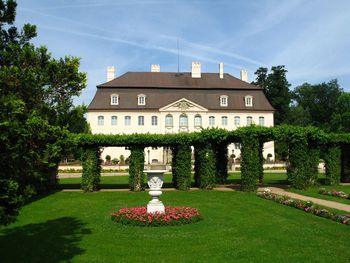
[311,38]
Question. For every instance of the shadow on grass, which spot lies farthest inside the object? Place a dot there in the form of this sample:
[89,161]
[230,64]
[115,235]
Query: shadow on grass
[55,240]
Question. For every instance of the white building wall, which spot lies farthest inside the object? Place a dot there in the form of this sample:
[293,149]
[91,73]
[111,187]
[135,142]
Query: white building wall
[157,154]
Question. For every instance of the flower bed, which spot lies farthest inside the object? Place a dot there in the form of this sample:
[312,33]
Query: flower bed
[138,216]
[340,194]
[306,206]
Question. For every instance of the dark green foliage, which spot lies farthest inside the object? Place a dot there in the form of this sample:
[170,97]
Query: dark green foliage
[174,151]
[10,201]
[331,157]
[91,169]
[341,116]
[250,169]
[182,167]
[345,163]
[221,163]
[136,167]
[261,162]
[205,166]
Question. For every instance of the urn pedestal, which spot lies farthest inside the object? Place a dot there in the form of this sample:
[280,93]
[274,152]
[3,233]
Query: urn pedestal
[155,183]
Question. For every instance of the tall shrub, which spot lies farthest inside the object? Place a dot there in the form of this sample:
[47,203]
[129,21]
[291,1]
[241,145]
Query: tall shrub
[91,169]
[136,167]
[174,151]
[332,161]
[345,163]
[221,163]
[261,162]
[250,165]
[182,167]
[205,166]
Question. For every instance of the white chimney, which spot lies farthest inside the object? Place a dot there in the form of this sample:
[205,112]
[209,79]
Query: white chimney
[244,75]
[196,70]
[110,73]
[221,70]
[155,68]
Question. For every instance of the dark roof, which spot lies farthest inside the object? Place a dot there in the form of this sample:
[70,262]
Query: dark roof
[177,80]
[162,89]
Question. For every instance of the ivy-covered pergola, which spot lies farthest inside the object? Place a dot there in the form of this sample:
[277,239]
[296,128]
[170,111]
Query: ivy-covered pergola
[306,145]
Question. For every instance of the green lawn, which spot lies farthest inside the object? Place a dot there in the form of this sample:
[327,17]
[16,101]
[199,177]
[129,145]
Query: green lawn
[119,182]
[237,227]
[313,191]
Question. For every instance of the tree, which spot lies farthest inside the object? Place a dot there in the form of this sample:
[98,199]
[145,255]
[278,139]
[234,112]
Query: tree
[276,89]
[36,93]
[340,121]
[317,102]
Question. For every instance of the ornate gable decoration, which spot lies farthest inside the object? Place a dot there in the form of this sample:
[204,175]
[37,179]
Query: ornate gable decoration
[183,105]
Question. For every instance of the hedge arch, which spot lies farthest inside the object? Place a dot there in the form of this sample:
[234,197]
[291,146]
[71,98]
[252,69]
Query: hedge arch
[91,169]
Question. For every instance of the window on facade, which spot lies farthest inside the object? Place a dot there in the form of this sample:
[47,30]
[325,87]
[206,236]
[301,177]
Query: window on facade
[249,120]
[141,99]
[100,120]
[198,121]
[223,101]
[261,121]
[169,120]
[237,146]
[237,121]
[141,120]
[248,101]
[154,120]
[211,121]
[114,99]
[224,120]
[127,120]
[114,120]
[183,120]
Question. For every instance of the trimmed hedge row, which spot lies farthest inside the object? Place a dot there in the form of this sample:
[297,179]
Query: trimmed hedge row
[211,154]
[136,167]
[91,169]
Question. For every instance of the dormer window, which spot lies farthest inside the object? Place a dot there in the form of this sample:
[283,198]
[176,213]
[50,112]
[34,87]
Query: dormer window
[223,101]
[248,101]
[114,99]
[141,99]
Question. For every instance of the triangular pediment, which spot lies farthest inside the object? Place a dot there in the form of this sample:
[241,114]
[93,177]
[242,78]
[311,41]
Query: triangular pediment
[182,105]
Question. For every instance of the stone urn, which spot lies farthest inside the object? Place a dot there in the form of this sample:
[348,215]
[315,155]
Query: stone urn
[155,174]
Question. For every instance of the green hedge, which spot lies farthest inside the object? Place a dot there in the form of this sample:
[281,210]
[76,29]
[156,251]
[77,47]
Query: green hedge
[332,159]
[345,163]
[221,163]
[205,171]
[181,165]
[136,167]
[91,169]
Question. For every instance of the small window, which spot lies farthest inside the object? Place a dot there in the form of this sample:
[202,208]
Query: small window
[237,121]
[223,101]
[224,120]
[127,120]
[100,120]
[141,99]
[114,99]
[154,120]
[249,120]
[211,121]
[183,120]
[114,120]
[141,120]
[261,121]
[169,120]
[198,121]
[248,101]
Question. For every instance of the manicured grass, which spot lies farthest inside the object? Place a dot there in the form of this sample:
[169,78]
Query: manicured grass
[313,192]
[121,181]
[237,227]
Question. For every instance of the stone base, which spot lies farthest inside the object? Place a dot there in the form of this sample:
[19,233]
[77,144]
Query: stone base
[155,207]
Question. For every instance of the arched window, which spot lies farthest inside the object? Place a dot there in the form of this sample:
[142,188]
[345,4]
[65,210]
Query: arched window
[114,120]
[183,120]
[248,101]
[127,120]
[141,99]
[114,99]
[198,120]
[224,120]
[141,120]
[223,100]
[249,120]
[237,121]
[169,120]
[211,121]
[154,120]
[100,120]
[261,121]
